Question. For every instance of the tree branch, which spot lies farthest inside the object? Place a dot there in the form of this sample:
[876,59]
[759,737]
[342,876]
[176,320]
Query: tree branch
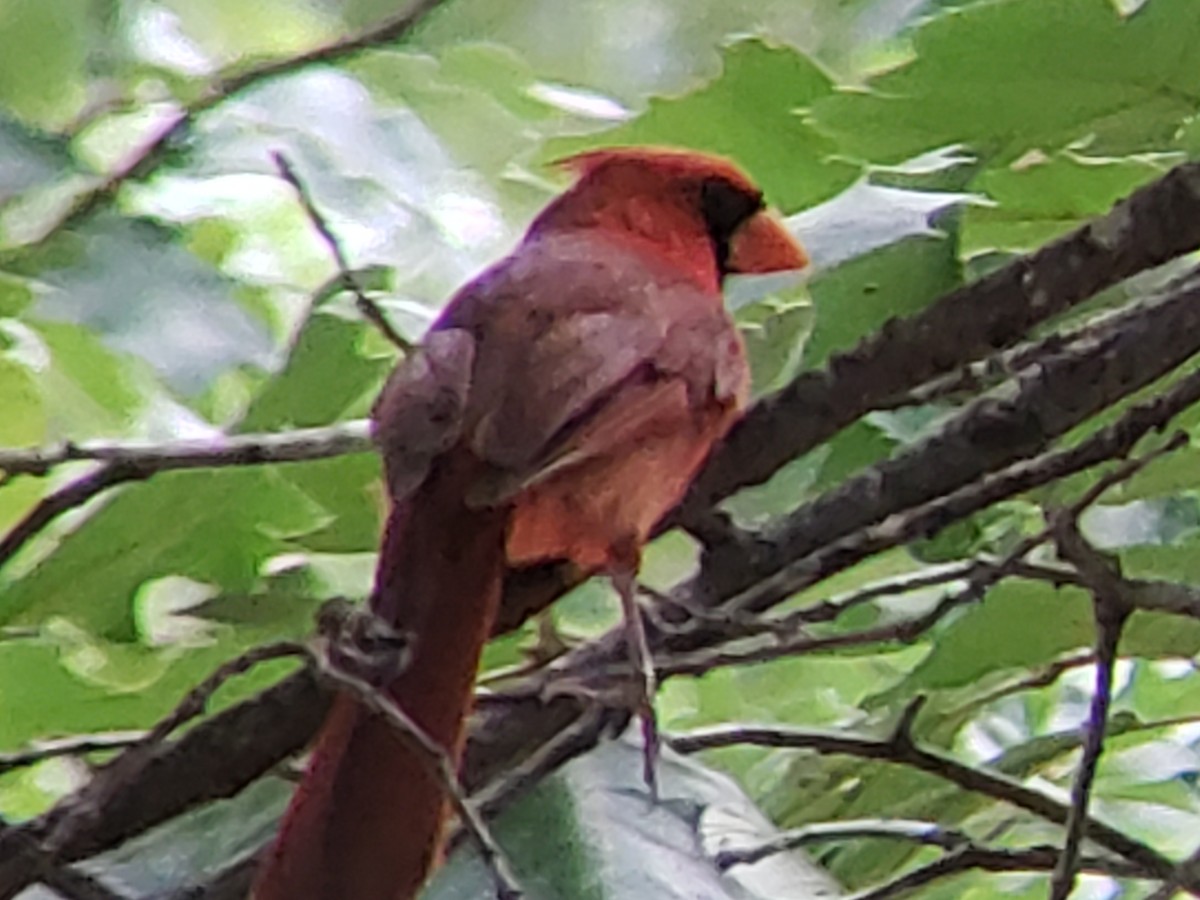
[367,307]
[928,833]
[124,463]
[299,445]
[1031,859]
[1153,225]
[238,78]
[1112,611]
[902,750]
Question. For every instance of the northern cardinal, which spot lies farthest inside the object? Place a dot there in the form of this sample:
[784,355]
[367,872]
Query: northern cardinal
[558,408]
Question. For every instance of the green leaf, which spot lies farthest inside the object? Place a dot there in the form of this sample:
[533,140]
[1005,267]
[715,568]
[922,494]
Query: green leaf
[44,51]
[1044,197]
[774,331]
[606,842]
[29,158]
[350,490]
[859,296]
[457,99]
[995,76]
[1018,623]
[867,217]
[1158,635]
[15,294]
[23,423]
[132,283]
[216,527]
[851,450]
[326,374]
[48,693]
[751,114]
[89,389]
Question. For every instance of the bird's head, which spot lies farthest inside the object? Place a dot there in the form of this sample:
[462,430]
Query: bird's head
[680,200]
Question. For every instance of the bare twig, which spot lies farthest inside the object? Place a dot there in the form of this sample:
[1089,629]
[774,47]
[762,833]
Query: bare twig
[66,498]
[359,653]
[439,765]
[216,758]
[902,529]
[1111,610]
[79,745]
[901,749]
[126,462]
[1003,428]
[155,151]
[89,803]
[298,445]
[367,307]
[77,813]
[1032,859]
[914,831]
[822,417]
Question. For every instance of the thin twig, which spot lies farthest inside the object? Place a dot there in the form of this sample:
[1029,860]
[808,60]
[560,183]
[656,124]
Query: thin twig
[980,375]
[915,831]
[367,307]
[87,804]
[229,84]
[1151,226]
[298,445]
[77,813]
[901,749]
[124,463]
[1031,859]
[982,576]
[1112,610]
[439,765]
[1114,441]
[580,736]
[79,745]
[360,653]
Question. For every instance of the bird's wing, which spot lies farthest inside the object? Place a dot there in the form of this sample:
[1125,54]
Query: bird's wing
[564,330]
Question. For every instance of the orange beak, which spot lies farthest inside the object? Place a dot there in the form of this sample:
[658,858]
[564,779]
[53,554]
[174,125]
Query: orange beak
[762,244]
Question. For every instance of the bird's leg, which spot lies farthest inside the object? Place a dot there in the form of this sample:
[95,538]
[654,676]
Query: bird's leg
[624,579]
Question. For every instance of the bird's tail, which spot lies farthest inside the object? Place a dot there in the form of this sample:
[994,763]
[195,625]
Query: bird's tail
[366,822]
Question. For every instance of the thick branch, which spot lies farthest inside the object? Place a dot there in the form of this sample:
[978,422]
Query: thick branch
[215,759]
[220,756]
[1150,227]
[997,430]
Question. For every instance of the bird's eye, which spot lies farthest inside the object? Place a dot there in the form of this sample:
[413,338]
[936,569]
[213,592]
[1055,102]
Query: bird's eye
[726,206]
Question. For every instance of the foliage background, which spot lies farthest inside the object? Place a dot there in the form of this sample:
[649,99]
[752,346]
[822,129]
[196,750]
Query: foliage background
[182,292]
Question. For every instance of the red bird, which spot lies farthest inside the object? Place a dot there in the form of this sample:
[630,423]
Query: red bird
[558,408]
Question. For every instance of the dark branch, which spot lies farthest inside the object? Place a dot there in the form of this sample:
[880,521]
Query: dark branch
[155,152]
[929,833]
[1032,859]
[300,445]
[901,749]
[1112,611]
[367,307]
[1153,225]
